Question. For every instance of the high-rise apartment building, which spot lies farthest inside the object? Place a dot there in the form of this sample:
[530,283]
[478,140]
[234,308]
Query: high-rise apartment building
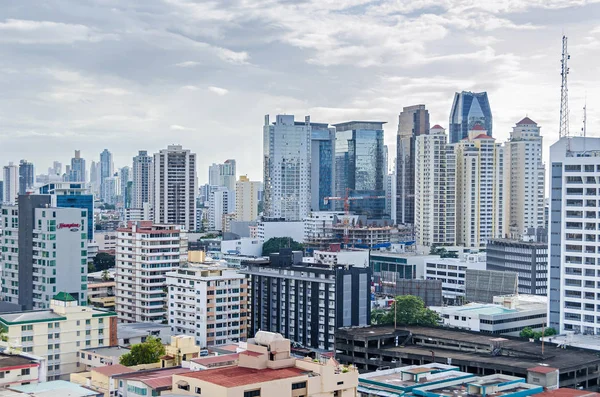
[246,199]
[11,183]
[391,193]
[287,164]
[468,109]
[125,179]
[223,174]
[360,167]
[106,169]
[219,204]
[574,250]
[525,179]
[175,186]
[111,189]
[435,189]
[142,179]
[45,252]
[322,170]
[26,176]
[208,302]
[480,189]
[78,171]
[145,253]
[413,121]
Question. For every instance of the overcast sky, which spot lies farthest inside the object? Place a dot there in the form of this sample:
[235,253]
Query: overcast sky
[131,75]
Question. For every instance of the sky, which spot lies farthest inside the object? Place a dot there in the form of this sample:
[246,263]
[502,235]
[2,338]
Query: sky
[143,74]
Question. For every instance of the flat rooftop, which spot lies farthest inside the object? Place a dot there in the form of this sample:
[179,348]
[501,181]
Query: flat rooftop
[462,391]
[392,378]
[110,351]
[53,389]
[241,376]
[8,361]
[29,316]
[208,361]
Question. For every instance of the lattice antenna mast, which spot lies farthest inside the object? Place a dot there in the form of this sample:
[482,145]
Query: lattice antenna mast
[564,92]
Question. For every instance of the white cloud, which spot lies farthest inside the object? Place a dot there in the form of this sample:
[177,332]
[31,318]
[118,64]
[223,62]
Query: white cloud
[46,32]
[177,127]
[218,90]
[238,58]
[188,64]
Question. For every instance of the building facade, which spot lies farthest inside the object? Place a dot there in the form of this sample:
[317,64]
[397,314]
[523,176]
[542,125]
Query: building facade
[220,203]
[468,109]
[78,170]
[413,121]
[26,176]
[287,167]
[124,180]
[72,195]
[452,272]
[106,168]
[322,170]
[142,179]
[145,253]
[246,199]
[10,183]
[111,189]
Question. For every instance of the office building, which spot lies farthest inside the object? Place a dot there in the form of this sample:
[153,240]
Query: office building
[360,167]
[145,253]
[26,176]
[175,186]
[306,302]
[480,189]
[246,199]
[268,369]
[287,165]
[435,190]
[142,180]
[413,121]
[125,179]
[2,190]
[525,178]
[527,258]
[72,195]
[95,177]
[469,109]
[46,252]
[208,302]
[106,167]
[59,332]
[11,183]
[77,171]
[574,247]
[56,168]
[322,168]
[111,190]
[219,204]
[452,272]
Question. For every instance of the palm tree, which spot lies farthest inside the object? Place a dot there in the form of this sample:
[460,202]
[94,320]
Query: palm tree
[105,275]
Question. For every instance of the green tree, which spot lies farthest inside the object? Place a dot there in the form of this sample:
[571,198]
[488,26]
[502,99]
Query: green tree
[147,352]
[105,275]
[411,311]
[274,244]
[103,261]
[379,316]
[526,332]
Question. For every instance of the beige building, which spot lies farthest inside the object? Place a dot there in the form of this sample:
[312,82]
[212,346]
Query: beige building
[246,199]
[267,369]
[102,294]
[60,332]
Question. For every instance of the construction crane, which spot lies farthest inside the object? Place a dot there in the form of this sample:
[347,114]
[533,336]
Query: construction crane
[346,199]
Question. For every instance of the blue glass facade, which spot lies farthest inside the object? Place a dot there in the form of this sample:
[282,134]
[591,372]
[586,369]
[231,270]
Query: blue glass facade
[322,166]
[71,195]
[468,109]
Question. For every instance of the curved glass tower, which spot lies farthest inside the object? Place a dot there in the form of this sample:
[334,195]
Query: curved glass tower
[468,109]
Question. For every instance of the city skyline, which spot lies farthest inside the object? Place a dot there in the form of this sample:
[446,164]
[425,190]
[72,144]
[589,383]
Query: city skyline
[192,84]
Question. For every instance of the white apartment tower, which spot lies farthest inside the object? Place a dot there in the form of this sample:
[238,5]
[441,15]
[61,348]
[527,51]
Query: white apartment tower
[175,187]
[219,204]
[435,190]
[145,253]
[142,180]
[287,164]
[11,183]
[480,190]
[525,179]
[246,199]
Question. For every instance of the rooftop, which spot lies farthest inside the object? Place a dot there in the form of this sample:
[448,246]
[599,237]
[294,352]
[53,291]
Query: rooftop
[540,369]
[478,127]
[394,379]
[111,370]
[526,120]
[241,376]
[9,361]
[564,392]
[64,296]
[110,351]
[208,361]
[30,316]
[157,378]
[53,389]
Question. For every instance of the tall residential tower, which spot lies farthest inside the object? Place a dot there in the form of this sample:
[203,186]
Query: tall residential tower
[468,109]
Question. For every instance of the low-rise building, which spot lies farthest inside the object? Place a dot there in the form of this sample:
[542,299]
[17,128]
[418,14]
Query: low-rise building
[47,389]
[21,369]
[243,246]
[182,348]
[224,360]
[152,382]
[335,255]
[60,332]
[267,369]
[100,356]
[508,315]
[102,294]
[133,333]
[498,385]
[452,272]
[107,241]
[270,228]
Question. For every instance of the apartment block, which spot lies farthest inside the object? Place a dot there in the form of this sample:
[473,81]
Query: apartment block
[246,199]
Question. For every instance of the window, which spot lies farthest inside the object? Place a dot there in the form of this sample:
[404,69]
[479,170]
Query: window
[252,393]
[299,385]
[198,390]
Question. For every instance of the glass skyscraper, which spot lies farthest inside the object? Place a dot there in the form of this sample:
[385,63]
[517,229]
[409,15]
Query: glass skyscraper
[322,165]
[468,109]
[359,166]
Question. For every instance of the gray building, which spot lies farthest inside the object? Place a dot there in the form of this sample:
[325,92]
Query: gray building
[142,180]
[528,259]
[26,176]
[322,169]
[306,302]
[482,285]
[412,122]
[468,109]
[77,172]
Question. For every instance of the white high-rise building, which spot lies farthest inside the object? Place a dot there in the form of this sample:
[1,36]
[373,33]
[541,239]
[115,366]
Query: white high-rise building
[287,164]
[11,183]
[175,186]
[106,169]
[142,180]
[574,244]
[145,253]
[111,188]
[435,210]
[390,195]
[223,174]
[219,204]
[246,199]
[525,179]
[480,190]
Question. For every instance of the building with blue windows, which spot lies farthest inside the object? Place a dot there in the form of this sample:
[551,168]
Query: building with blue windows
[468,109]
[322,165]
[72,195]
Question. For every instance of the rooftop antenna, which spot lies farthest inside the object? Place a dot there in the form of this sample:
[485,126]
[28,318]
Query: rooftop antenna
[563,130]
[584,129]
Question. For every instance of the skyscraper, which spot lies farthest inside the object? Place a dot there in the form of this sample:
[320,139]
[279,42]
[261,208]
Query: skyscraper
[26,176]
[525,178]
[94,177]
[142,179]
[413,121]
[11,183]
[468,109]
[78,171]
[175,186]
[287,163]
[223,174]
[322,165]
[246,203]
[124,178]
[106,169]
[359,166]
[219,204]
[574,250]
[435,190]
